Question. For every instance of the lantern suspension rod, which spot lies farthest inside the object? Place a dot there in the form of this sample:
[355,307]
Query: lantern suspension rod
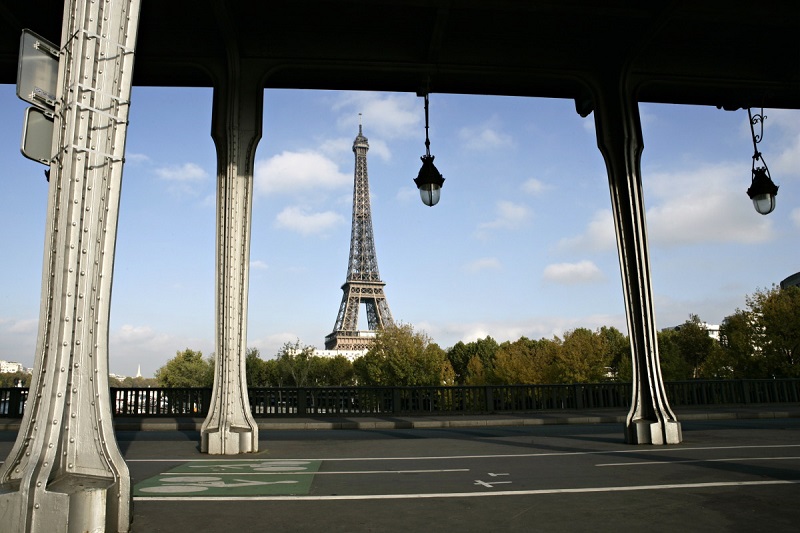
[427,140]
[756,119]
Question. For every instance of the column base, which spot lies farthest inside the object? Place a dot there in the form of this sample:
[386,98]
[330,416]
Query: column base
[657,432]
[229,441]
[74,504]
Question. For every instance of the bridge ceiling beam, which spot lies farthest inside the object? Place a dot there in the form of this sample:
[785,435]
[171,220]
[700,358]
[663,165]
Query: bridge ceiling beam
[728,53]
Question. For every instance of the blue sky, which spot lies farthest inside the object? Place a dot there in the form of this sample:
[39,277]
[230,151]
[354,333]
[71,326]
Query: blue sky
[522,242]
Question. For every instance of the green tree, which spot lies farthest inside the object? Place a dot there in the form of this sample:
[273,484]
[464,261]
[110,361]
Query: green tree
[736,336]
[255,368]
[476,372]
[335,371]
[694,343]
[15,379]
[618,347]
[525,361]
[187,369]
[272,375]
[461,357]
[296,364]
[776,333]
[138,382]
[583,357]
[401,357]
[673,366]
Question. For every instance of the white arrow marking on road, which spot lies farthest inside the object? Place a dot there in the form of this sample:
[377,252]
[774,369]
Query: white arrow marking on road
[490,484]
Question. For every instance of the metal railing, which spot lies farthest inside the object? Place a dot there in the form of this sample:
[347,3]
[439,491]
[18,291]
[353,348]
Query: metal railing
[273,402]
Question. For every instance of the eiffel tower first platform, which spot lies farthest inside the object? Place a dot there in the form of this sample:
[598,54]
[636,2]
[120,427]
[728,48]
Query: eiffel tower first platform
[363,283]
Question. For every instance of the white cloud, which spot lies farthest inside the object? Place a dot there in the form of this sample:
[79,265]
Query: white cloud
[210,200]
[487,136]
[599,235]
[788,161]
[188,172]
[336,147]
[448,334]
[379,148]
[298,219]
[509,216]
[485,263]
[390,116]
[795,216]
[258,265]
[706,204]
[573,273]
[128,333]
[131,346]
[136,159]
[406,194]
[29,325]
[270,345]
[12,325]
[781,146]
[292,172]
[534,186]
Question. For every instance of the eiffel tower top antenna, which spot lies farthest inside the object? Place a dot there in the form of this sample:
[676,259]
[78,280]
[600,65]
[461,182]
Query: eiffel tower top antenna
[363,282]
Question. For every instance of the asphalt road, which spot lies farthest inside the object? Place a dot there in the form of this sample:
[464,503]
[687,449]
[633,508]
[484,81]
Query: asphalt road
[734,475]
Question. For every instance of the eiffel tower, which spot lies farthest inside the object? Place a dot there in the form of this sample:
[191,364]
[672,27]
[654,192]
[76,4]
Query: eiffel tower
[363,280]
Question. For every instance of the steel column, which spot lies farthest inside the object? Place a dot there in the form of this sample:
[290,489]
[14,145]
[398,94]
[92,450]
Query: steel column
[229,427]
[619,137]
[65,471]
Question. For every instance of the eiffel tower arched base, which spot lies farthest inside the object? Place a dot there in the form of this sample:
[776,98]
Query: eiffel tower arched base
[346,335]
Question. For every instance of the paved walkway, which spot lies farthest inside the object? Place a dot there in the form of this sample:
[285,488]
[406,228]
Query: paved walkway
[738,469]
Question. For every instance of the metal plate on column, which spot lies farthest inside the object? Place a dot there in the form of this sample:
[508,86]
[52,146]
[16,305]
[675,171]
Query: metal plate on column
[37,71]
[37,136]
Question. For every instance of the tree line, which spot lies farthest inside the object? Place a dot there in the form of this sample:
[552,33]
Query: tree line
[761,341]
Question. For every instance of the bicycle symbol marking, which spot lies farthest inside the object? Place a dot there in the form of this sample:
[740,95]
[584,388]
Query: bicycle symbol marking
[259,466]
[203,483]
[233,478]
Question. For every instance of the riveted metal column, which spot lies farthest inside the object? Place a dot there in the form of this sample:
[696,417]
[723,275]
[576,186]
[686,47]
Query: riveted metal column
[65,471]
[619,137]
[238,107]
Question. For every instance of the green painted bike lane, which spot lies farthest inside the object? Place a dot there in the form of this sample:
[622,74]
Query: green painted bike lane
[232,478]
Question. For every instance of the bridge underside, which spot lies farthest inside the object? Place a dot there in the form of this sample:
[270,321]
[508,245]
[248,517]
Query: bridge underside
[732,53]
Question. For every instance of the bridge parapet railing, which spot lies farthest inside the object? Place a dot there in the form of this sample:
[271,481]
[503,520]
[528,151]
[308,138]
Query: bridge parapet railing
[152,401]
[271,402]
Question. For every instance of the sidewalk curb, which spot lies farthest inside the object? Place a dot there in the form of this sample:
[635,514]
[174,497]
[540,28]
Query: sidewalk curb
[438,422]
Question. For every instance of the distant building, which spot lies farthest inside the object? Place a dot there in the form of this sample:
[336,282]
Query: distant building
[351,355]
[10,367]
[791,281]
[711,329]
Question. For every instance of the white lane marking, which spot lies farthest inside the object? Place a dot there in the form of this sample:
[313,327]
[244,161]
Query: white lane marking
[473,494]
[634,449]
[343,472]
[687,461]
